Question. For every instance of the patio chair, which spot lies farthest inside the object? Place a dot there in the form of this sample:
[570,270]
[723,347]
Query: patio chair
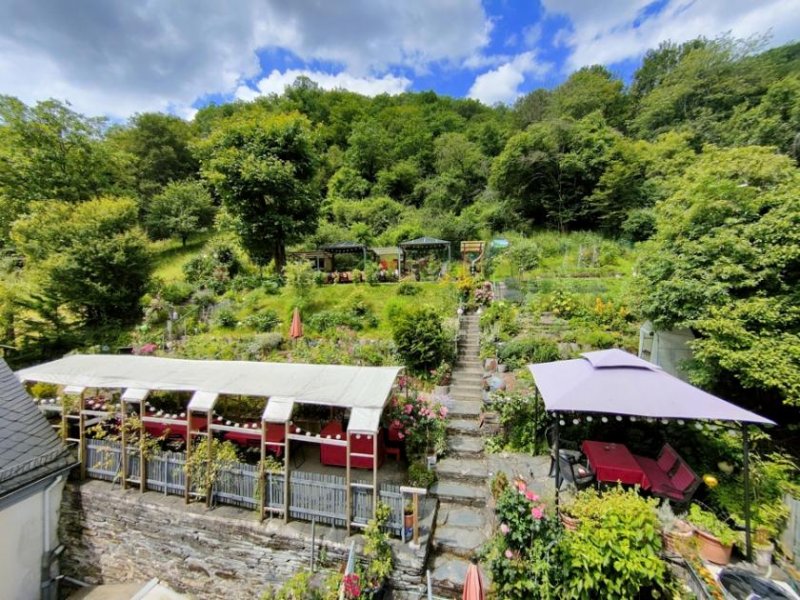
[567,449]
[579,474]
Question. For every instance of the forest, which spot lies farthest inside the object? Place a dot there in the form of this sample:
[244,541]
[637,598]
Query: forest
[693,166]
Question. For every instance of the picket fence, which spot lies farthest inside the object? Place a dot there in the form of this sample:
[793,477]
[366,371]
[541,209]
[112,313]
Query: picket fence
[312,496]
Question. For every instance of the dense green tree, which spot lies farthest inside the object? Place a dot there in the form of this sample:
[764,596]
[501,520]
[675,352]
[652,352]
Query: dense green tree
[159,147]
[262,165]
[420,339]
[91,257]
[181,209]
[532,107]
[368,149]
[588,90]
[725,261]
[399,180]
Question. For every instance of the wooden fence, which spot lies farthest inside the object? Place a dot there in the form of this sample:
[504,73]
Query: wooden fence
[312,496]
[790,540]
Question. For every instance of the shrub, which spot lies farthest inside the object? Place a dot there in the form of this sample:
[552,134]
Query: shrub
[177,292]
[615,550]
[524,421]
[263,321]
[708,522]
[420,339]
[300,280]
[419,475]
[640,225]
[263,344]
[225,318]
[41,390]
[406,288]
[518,352]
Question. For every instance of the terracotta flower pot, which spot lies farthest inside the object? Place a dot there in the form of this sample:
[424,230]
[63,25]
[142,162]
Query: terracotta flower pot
[568,522]
[408,520]
[712,550]
[677,540]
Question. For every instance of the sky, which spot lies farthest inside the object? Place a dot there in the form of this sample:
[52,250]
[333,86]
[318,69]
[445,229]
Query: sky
[120,57]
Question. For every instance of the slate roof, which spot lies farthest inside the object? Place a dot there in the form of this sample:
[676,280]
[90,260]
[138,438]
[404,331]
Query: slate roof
[424,243]
[29,447]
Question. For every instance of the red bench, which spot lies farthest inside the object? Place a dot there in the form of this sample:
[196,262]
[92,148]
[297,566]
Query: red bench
[670,477]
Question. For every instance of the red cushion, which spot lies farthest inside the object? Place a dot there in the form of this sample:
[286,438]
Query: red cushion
[667,459]
[665,489]
[683,477]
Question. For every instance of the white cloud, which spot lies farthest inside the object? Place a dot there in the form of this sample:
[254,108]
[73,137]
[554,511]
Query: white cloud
[502,84]
[615,30]
[118,57]
[276,81]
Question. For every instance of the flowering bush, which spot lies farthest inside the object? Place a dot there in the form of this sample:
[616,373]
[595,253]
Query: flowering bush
[442,374]
[352,586]
[521,557]
[420,422]
[483,294]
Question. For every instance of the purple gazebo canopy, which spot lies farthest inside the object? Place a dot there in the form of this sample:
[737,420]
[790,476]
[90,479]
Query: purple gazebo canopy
[616,382]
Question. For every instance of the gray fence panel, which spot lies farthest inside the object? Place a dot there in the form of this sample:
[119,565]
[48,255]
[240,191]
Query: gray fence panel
[103,459]
[317,496]
[236,484]
[165,473]
[134,465]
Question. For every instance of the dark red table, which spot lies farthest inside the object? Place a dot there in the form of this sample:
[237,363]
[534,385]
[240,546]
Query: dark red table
[614,463]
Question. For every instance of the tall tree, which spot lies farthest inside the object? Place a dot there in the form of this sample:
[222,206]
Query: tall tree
[183,208]
[262,165]
[588,90]
[725,261]
[91,257]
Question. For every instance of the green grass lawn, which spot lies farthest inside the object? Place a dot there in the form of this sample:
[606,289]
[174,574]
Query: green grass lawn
[169,256]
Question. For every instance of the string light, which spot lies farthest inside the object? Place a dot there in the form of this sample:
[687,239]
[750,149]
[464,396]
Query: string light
[681,421]
[604,419]
[699,425]
[633,419]
[575,421]
[665,421]
[619,417]
[338,437]
[561,422]
[589,419]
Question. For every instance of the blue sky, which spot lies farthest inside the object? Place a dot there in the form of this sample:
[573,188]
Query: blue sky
[117,57]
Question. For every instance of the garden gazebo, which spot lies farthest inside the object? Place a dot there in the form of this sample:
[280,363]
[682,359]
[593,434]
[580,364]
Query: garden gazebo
[364,391]
[614,382]
[346,248]
[426,243]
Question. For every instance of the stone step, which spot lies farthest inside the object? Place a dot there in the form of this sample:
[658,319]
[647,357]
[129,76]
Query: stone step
[467,379]
[460,493]
[469,363]
[464,427]
[465,405]
[465,446]
[467,387]
[460,530]
[448,573]
[465,470]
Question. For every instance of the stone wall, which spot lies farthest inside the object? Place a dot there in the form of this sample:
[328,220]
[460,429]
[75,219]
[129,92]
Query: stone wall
[114,536]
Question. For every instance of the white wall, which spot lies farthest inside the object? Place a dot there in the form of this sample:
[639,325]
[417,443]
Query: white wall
[22,544]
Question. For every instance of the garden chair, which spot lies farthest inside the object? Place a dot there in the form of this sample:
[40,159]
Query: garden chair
[577,473]
[567,449]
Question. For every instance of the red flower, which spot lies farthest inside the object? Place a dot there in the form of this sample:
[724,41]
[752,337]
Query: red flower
[352,586]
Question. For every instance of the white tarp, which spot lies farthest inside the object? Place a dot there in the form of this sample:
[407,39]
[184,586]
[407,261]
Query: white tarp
[202,401]
[278,410]
[328,385]
[135,395]
[365,419]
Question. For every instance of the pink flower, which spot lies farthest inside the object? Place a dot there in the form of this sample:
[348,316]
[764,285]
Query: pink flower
[504,529]
[536,513]
[443,411]
[509,554]
[400,435]
[531,496]
[408,408]
[396,423]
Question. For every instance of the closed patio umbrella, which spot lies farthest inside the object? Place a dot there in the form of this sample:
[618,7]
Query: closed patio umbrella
[296,330]
[473,584]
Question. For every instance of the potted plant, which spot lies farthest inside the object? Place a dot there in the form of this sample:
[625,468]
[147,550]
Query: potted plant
[715,538]
[408,517]
[763,548]
[441,376]
[675,533]
[378,555]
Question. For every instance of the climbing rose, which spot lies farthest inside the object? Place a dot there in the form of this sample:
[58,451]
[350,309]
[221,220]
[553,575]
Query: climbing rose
[400,435]
[408,408]
[504,528]
[537,513]
[509,554]
[443,412]
[531,496]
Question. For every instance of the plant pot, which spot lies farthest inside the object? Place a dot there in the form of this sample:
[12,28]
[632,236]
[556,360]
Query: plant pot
[763,555]
[712,550]
[502,368]
[441,390]
[408,520]
[570,523]
[490,364]
[677,540]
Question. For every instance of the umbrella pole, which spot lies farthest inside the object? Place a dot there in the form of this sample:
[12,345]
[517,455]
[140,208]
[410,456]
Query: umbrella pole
[746,464]
[557,451]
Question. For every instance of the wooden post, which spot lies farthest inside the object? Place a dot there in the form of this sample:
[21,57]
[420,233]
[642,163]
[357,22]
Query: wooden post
[557,451]
[374,475]
[209,457]
[416,517]
[124,437]
[142,455]
[348,491]
[287,450]
[261,488]
[82,436]
[187,480]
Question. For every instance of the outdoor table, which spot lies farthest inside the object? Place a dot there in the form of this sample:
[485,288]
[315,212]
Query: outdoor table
[614,463]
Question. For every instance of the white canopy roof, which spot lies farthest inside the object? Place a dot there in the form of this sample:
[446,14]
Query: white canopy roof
[135,395]
[328,385]
[278,410]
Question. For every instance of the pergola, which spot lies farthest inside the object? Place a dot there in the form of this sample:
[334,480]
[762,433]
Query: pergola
[618,383]
[363,390]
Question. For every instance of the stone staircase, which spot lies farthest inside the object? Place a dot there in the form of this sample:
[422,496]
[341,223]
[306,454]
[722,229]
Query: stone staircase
[463,521]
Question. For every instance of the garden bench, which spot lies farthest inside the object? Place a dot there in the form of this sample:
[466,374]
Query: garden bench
[670,476]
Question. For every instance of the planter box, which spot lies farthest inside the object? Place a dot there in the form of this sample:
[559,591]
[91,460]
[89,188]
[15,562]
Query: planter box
[678,540]
[712,550]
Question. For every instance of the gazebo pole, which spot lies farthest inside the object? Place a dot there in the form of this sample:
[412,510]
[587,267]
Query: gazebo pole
[746,464]
[124,442]
[187,480]
[557,451]
[142,453]
[82,434]
[261,486]
[286,473]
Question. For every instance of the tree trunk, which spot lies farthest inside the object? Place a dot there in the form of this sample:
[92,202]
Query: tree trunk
[280,255]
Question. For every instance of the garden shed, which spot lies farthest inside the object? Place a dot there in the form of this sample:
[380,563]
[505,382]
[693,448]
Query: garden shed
[618,384]
[361,391]
[423,244]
